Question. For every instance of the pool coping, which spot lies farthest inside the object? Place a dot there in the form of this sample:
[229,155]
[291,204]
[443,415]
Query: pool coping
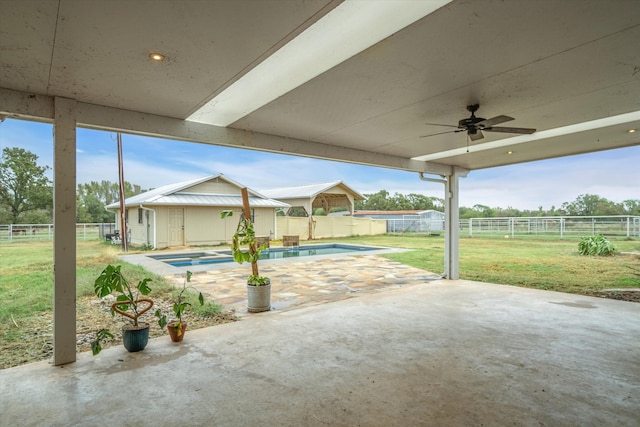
[164,269]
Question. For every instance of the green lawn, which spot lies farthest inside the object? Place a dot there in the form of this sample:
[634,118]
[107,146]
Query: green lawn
[542,264]
[26,282]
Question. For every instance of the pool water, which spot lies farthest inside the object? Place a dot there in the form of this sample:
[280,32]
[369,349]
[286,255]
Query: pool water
[274,253]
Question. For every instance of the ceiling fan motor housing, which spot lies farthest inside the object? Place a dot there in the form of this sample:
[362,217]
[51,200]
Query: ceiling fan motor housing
[470,123]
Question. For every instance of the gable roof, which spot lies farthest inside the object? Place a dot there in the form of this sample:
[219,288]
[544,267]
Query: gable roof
[178,195]
[308,191]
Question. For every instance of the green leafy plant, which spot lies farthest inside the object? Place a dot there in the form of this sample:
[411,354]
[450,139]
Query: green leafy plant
[244,248]
[596,245]
[128,302]
[180,305]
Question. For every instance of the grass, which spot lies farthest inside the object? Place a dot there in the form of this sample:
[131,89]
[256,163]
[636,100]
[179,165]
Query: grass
[541,264]
[26,283]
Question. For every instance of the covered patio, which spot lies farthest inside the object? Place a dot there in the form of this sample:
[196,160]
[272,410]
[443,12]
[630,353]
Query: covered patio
[381,83]
[449,352]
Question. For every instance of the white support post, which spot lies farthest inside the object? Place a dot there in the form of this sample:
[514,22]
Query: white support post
[451,219]
[64,240]
[452,223]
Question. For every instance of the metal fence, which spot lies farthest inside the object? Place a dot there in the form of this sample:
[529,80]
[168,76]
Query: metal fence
[618,226]
[40,232]
[415,224]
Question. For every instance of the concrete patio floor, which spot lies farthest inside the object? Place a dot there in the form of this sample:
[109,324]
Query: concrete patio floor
[442,353]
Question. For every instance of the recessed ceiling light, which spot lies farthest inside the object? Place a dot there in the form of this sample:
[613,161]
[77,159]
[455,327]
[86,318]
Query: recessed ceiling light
[156,56]
[632,131]
[509,152]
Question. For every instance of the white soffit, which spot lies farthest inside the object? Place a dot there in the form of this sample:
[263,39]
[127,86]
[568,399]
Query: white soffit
[350,28]
[544,134]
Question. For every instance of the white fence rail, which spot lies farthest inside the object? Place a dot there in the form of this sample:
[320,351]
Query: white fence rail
[39,232]
[415,224]
[561,227]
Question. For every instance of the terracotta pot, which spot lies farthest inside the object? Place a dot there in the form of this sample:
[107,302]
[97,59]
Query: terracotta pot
[177,330]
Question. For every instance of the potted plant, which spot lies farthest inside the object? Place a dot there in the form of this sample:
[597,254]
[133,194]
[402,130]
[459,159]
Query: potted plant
[178,327]
[244,249]
[128,304]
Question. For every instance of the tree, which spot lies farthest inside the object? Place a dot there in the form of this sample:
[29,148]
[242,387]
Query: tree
[24,187]
[92,197]
[631,207]
[590,205]
[376,201]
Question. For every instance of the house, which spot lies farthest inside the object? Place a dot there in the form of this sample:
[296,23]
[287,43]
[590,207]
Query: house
[408,220]
[188,213]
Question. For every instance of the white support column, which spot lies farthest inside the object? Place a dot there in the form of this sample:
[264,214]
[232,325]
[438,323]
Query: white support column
[452,223]
[64,238]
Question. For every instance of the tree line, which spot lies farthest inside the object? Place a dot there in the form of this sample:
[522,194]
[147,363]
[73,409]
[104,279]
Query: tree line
[583,205]
[26,193]
[26,197]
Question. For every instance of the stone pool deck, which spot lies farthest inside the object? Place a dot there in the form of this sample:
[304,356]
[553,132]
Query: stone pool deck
[317,281]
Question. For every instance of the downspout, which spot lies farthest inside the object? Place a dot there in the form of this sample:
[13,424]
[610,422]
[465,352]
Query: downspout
[155,225]
[115,217]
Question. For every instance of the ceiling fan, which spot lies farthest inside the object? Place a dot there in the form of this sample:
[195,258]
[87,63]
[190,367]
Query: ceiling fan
[475,125]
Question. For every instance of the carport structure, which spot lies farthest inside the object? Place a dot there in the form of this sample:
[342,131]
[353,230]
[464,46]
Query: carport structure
[352,81]
[306,198]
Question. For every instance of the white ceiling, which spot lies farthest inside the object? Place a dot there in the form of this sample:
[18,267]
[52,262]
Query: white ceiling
[548,63]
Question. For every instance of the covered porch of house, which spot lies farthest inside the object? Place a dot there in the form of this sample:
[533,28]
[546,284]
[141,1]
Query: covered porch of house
[447,352]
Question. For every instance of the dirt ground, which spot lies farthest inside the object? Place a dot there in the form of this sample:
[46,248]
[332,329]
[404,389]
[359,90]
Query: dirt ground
[632,296]
[92,314]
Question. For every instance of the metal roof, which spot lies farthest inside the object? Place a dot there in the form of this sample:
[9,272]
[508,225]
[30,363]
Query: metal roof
[220,200]
[308,191]
[178,194]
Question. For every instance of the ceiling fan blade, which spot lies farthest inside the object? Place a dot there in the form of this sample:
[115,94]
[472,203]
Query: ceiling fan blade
[494,121]
[440,124]
[526,131]
[476,136]
[442,133]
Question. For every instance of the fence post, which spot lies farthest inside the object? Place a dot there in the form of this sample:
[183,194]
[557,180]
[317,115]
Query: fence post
[561,228]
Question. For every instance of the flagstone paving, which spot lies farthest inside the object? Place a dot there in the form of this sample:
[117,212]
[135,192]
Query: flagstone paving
[299,284]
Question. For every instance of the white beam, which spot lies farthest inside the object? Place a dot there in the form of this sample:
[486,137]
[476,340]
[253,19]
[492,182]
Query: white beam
[20,104]
[64,240]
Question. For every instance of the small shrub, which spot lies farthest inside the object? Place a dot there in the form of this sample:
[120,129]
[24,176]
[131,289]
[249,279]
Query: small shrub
[596,245]
[209,309]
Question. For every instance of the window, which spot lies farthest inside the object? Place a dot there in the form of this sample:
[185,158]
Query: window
[139,216]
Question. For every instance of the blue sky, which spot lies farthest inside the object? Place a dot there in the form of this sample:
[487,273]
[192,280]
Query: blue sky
[152,162]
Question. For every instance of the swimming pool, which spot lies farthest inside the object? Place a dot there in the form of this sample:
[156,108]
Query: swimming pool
[216,257]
